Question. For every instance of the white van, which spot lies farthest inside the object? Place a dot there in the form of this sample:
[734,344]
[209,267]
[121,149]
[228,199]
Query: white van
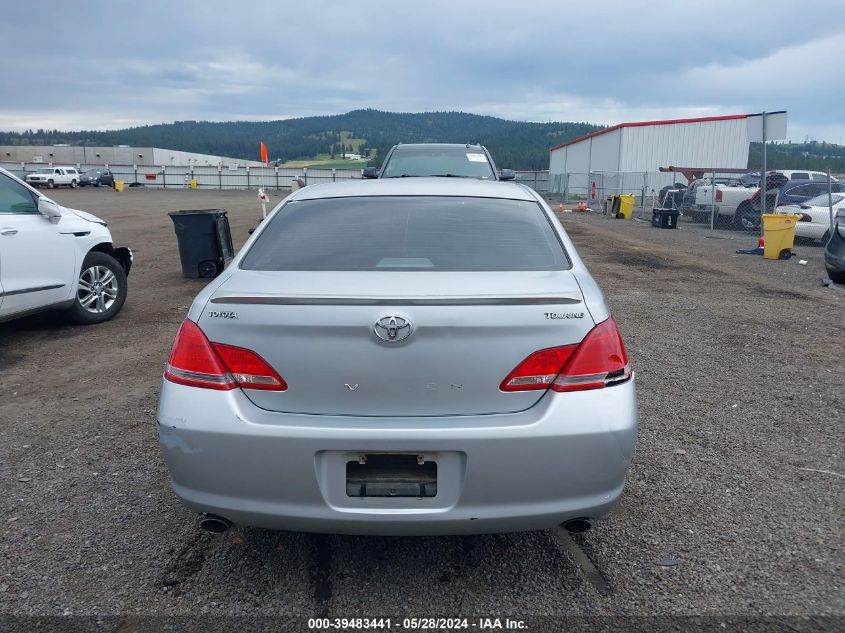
[803,174]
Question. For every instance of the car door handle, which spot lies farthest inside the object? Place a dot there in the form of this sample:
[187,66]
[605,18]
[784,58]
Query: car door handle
[8,231]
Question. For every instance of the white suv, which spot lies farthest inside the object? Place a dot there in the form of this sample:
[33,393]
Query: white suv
[52,257]
[53,177]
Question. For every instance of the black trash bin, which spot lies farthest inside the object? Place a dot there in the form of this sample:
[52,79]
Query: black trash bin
[205,241]
[664,218]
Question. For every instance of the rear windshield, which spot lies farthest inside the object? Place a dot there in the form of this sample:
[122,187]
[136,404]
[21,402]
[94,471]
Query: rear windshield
[439,161]
[408,233]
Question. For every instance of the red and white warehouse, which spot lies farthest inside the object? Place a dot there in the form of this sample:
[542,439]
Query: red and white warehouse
[625,158]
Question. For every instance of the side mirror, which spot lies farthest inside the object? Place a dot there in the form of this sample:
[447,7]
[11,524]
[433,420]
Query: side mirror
[370,172]
[49,210]
[507,174]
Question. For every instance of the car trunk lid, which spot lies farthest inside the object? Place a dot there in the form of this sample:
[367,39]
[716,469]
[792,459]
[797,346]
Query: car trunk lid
[455,336]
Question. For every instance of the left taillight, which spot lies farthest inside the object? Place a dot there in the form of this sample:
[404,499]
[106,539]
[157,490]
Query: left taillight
[197,362]
[249,370]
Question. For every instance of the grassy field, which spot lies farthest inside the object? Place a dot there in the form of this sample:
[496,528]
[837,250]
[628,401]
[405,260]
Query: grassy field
[326,162]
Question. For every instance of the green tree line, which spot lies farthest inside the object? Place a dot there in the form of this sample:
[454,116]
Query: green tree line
[816,155]
[514,144]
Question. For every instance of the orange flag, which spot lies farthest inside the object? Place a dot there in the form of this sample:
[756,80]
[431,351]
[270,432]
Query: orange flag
[263,152]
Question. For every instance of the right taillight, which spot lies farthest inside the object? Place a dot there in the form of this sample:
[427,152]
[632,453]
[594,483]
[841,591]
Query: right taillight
[197,362]
[718,195]
[596,362]
[599,361]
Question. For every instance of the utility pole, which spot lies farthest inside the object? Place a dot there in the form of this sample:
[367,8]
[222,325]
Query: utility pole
[763,173]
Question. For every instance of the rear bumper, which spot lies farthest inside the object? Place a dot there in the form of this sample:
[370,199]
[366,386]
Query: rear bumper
[564,458]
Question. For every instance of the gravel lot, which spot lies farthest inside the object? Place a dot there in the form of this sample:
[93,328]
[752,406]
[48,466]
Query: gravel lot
[740,383]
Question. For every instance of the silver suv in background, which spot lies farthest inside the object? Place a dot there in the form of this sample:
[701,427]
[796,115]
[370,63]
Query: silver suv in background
[439,159]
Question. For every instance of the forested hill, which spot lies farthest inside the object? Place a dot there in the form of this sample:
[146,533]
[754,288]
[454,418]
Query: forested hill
[514,144]
[816,155]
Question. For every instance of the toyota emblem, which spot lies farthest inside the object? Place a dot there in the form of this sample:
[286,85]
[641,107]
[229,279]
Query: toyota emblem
[392,328]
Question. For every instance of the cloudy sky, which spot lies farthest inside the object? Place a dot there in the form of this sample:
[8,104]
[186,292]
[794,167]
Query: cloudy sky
[98,65]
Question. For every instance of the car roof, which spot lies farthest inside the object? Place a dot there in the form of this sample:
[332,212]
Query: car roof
[417,186]
[807,181]
[458,146]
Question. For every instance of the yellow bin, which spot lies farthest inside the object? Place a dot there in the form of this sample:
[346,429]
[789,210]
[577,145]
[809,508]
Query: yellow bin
[194,184]
[778,234]
[626,206]
[119,185]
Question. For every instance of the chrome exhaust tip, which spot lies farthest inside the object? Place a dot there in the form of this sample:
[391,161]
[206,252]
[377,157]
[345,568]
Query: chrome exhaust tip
[215,524]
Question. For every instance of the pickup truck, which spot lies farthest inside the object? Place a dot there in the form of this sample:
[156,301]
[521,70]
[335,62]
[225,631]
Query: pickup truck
[730,203]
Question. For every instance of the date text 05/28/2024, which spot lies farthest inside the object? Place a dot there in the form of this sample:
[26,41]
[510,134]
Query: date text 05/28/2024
[416,624]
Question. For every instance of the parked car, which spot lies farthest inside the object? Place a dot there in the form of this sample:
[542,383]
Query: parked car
[752,179]
[96,177]
[799,191]
[439,159]
[815,216]
[780,192]
[53,177]
[406,356]
[801,174]
[834,252]
[53,257]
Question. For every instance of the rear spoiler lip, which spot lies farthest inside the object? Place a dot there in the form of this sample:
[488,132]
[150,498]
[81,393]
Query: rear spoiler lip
[394,301]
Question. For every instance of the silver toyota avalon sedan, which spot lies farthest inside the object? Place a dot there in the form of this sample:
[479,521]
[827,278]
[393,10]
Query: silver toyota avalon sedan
[410,356]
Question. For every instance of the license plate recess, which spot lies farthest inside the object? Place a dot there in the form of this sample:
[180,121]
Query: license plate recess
[391,475]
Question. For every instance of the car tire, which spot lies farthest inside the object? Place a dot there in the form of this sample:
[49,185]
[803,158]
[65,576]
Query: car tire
[50,184]
[73,184]
[836,276]
[101,290]
[96,183]
[746,218]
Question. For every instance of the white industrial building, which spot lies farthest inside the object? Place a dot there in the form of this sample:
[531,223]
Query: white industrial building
[626,158]
[114,156]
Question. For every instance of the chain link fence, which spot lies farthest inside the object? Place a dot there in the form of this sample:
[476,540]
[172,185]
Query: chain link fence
[235,176]
[712,199]
[206,177]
